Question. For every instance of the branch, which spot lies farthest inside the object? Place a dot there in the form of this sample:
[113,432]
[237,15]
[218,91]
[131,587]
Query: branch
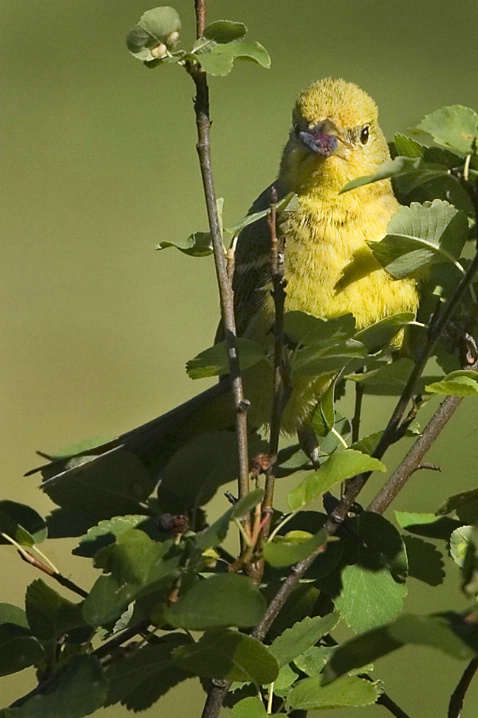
[393,429]
[203,127]
[280,393]
[458,696]
[413,459]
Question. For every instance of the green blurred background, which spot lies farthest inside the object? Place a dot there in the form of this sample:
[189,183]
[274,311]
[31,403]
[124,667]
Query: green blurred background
[98,165]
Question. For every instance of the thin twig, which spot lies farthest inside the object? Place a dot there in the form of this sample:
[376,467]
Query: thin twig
[359,392]
[458,696]
[47,568]
[203,146]
[393,429]
[215,698]
[413,459]
[279,385]
[385,701]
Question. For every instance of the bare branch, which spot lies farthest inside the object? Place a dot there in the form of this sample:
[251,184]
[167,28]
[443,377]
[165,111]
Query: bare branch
[458,696]
[203,126]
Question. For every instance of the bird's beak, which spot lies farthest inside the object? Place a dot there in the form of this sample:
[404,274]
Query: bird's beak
[324,138]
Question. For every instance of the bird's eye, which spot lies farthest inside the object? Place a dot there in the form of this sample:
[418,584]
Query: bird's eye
[364,134]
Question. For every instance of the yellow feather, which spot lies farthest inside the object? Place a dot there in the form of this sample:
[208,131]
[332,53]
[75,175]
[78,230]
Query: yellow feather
[329,268]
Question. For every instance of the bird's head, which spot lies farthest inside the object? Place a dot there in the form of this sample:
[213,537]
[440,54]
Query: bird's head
[335,138]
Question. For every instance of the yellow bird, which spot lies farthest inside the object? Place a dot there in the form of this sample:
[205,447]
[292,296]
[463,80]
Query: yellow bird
[335,138]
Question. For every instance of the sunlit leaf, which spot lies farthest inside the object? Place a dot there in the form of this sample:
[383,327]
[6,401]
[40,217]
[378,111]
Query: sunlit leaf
[458,383]
[250,707]
[218,59]
[340,466]
[303,634]
[369,598]
[224,30]
[455,126]
[22,523]
[157,27]
[420,234]
[289,549]
[350,691]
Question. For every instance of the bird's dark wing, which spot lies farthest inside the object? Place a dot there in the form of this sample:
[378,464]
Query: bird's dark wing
[252,270]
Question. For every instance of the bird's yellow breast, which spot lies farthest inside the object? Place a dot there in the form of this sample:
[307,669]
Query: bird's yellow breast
[329,267]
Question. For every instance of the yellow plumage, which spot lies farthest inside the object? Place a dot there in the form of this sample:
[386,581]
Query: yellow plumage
[328,266]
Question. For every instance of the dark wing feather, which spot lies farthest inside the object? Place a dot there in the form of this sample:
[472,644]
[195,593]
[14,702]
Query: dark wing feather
[252,271]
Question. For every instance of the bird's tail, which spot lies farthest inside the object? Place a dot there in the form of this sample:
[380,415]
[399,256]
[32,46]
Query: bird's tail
[152,443]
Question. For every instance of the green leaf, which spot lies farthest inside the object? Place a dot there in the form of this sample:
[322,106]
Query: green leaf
[340,466]
[460,540]
[454,126]
[350,691]
[312,661]
[407,146]
[250,707]
[465,504]
[21,523]
[18,648]
[76,691]
[390,168]
[421,234]
[369,598]
[229,655]
[313,361]
[218,59]
[214,361]
[324,415]
[308,330]
[289,549]
[105,533]
[388,379]
[286,204]
[135,566]
[458,383]
[155,28]
[49,614]
[224,30]
[13,615]
[381,333]
[145,666]
[198,244]
[220,601]
[216,533]
[304,634]
[368,444]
